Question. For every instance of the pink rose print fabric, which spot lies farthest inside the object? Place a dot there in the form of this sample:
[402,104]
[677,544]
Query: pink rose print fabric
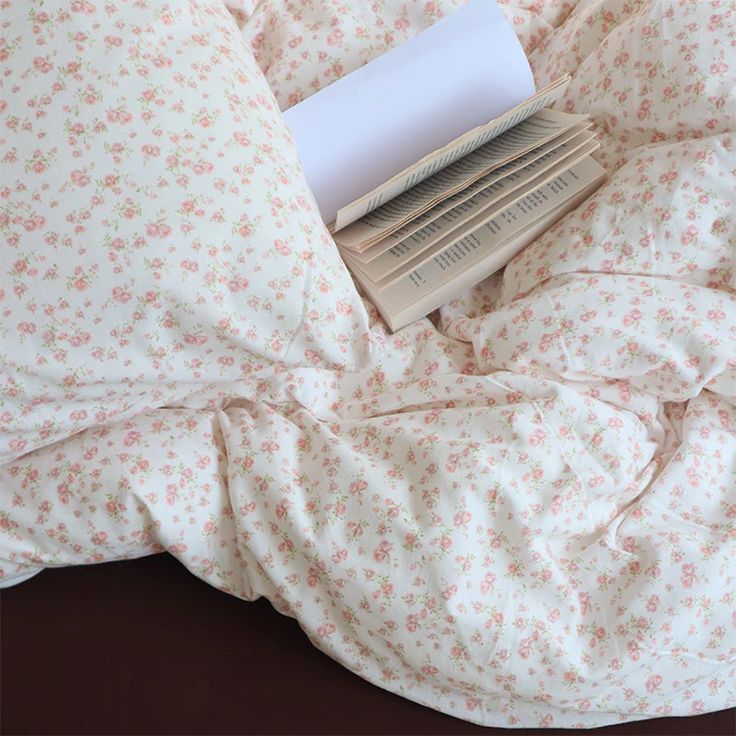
[158,234]
[520,511]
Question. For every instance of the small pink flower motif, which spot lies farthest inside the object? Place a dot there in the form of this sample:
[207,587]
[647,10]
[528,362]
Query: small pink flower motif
[121,295]
[63,492]
[209,527]
[339,556]
[132,438]
[270,446]
[312,577]
[381,552]
[312,357]
[172,493]
[525,648]
[82,6]
[537,437]
[237,284]
[687,578]
[99,538]
[689,235]
[693,477]
[462,519]
[570,677]
[458,652]
[91,452]
[17,445]
[335,38]
[247,509]
[41,64]
[326,630]
[79,178]
[343,307]
[514,569]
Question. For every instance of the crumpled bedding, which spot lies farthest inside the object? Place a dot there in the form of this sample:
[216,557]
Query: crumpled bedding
[522,512]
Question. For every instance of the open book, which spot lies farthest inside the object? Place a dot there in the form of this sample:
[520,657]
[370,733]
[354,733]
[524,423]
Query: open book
[436,163]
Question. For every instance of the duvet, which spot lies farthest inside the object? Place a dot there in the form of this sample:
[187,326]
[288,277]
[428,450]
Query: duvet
[520,511]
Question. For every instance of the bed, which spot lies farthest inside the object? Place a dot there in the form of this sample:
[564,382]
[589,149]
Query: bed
[518,512]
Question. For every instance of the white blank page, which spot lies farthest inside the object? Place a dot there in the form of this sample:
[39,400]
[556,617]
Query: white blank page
[357,133]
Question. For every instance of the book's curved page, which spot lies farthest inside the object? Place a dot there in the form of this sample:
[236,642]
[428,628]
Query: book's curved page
[360,131]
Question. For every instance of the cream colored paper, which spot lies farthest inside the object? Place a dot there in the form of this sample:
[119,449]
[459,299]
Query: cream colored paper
[483,251]
[535,162]
[531,134]
[448,154]
[451,227]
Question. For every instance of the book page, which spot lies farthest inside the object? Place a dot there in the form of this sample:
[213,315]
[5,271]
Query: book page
[575,142]
[537,160]
[453,225]
[446,155]
[530,134]
[486,265]
[478,248]
[377,120]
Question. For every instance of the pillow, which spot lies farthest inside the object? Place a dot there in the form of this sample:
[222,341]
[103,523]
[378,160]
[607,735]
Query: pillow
[157,232]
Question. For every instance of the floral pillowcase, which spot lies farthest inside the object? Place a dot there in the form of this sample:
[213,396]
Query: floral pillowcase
[157,232]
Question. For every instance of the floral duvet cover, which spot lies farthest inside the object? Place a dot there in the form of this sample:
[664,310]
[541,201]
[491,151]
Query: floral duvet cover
[521,511]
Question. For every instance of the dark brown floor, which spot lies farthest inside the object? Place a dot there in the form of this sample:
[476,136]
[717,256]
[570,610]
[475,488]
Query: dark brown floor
[144,647]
